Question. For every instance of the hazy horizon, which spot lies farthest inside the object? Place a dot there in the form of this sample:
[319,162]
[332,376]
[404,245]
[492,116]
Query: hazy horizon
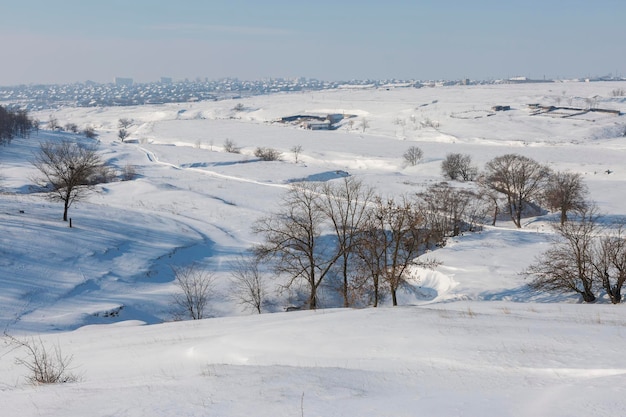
[58,42]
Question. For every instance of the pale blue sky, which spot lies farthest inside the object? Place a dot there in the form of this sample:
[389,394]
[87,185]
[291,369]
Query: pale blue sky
[56,41]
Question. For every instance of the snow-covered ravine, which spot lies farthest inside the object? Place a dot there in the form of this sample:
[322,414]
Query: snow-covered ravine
[468,339]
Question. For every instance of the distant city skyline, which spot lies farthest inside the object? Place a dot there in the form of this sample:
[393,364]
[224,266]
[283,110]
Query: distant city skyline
[57,41]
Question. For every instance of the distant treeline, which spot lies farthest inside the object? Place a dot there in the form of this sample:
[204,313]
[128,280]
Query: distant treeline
[14,123]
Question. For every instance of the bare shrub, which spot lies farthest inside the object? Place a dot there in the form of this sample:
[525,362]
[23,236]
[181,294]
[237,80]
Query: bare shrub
[53,123]
[45,365]
[429,123]
[231,147]
[267,154]
[90,132]
[364,124]
[196,287]
[71,127]
[129,172]
[248,286]
[618,92]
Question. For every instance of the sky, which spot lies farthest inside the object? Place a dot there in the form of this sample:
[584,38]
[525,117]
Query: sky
[56,41]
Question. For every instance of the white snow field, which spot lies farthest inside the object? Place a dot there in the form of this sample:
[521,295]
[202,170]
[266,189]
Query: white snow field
[470,340]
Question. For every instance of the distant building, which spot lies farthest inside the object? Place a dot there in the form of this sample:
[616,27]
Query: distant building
[123,81]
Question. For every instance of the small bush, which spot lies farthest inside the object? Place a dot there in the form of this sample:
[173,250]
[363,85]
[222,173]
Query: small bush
[45,365]
[267,154]
[90,132]
[71,127]
[102,174]
[231,147]
[129,172]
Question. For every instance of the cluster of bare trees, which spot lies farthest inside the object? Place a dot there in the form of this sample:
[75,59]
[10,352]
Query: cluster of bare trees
[14,123]
[341,236]
[365,245]
[517,183]
[587,258]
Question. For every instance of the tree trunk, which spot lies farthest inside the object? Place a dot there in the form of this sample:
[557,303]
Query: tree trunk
[518,214]
[346,301]
[394,298]
[313,298]
[615,294]
[376,295]
[66,207]
[588,296]
[563,216]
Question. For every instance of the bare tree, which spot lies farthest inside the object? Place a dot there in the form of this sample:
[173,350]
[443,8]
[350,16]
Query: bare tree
[122,134]
[568,266]
[364,124]
[492,198]
[447,210]
[248,283]
[293,240]
[345,205]
[196,286]
[609,259]
[458,166]
[296,150]
[66,170]
[391,243]
[371,251]
[519,178]
[566,191]
[124,123]
[413,155]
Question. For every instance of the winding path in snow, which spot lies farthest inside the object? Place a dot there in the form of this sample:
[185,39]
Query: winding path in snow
[152,157]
